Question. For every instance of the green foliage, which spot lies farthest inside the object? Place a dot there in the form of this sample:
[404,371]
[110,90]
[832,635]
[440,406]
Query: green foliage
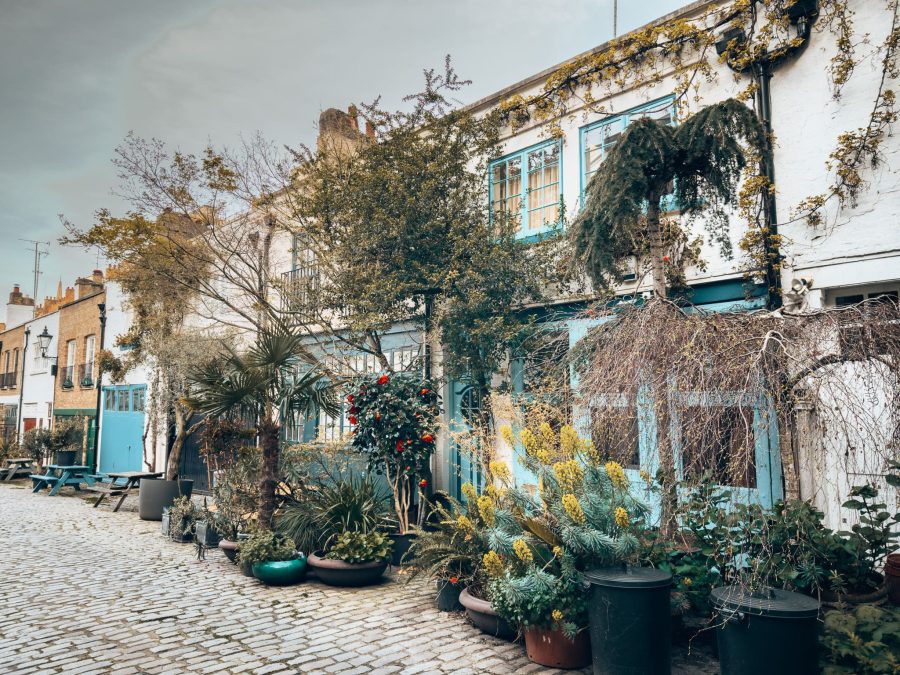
[395,419]
[236,494]
[538,598]
[266,546]
[335,501]
[182,515]
[704,156]
[864,642]
[360,547]
[36,444]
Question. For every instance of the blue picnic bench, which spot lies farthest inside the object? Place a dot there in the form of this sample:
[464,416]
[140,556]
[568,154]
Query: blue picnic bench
[60,475]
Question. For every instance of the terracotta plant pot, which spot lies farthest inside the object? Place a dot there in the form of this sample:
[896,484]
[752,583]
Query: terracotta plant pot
[550,647]
[340,573]
[484,617]
[892,577]
[229,548]
[281,573]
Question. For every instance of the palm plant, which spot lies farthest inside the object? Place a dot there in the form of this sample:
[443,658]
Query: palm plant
[705,157]
[264,384]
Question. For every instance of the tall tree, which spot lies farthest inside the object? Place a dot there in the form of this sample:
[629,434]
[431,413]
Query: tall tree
[702,160]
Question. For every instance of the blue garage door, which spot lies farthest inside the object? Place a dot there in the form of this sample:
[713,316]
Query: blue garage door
[121,434]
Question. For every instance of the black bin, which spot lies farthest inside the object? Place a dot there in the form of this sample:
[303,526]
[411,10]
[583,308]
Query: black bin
[631,621]
[766,631]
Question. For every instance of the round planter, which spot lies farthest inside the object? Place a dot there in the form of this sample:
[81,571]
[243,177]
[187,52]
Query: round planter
[630,620]
[892,578]
[66,457]
[484,617]
[766,631]
[550,647]
[281,573]
[229,548]
[402,542]
[878,596]
[156,494]
[340,573]
[448,596]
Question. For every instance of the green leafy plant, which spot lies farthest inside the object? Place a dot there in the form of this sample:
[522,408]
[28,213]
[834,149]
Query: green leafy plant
[36,444]
[182,515]
[236,494]
[336,501]
[360,547]
[863,642]
[395,427]
[266,546]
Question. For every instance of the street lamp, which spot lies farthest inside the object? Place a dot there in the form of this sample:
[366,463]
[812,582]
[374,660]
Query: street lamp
[43,341]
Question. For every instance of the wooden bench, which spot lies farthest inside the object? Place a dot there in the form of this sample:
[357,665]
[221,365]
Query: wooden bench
[40,481]
[115,489]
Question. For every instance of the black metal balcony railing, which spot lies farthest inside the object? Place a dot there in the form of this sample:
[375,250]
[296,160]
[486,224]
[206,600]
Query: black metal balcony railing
[86,374]
[299,292]
[68,377]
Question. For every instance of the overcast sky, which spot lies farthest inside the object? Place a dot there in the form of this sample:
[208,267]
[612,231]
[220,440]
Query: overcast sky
[77,75]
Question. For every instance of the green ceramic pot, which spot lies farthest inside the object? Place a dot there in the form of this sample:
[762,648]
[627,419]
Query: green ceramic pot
[281,573]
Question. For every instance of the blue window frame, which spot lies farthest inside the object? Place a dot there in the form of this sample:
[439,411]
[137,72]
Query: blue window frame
[598,138]
[526,187]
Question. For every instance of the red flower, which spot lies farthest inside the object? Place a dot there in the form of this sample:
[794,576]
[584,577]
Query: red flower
[353,410]
[399,446]
[424,392]
[665,258]
[350,398]
[409,442]
[408,468]
[423,483]
[453,580]
[428,438]
[383,379]
[377,415]
[352,419]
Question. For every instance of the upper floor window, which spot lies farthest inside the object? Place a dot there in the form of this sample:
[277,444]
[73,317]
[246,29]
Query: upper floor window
[598,138]
[526,188]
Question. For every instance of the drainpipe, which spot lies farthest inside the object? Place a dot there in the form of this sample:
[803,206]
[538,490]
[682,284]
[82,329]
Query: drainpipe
[102,307]
[772,253]
[22,387]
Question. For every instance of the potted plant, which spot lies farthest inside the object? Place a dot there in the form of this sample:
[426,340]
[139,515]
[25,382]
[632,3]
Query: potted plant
[582,524]
[65,442]
[179,519]
[273,558]
[235,495]
[354,558]
[394,418]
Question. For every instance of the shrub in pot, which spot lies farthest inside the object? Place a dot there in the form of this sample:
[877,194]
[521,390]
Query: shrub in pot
[181,517]
[273,558]
[395,417]
[353,559]
[235,495]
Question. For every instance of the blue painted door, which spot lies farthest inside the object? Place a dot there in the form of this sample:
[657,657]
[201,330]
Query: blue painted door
[464,406]
[121,434]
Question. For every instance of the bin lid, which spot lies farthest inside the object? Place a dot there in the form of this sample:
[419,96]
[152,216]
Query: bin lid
[629,577]
[765,602]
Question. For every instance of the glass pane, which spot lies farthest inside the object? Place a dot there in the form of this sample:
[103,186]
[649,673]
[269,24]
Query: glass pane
[499,173]
[551,154]
[719,441]
[515,168]
[535,161]
[614,432]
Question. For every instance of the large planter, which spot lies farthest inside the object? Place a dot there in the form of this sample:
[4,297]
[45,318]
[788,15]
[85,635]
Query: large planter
[340,573]
[156,494]
[402,542]
[66,457]
[448,596]
[630,620]
[281,573]
[877,596]
[484,617]
[550,647]
[229,548]
[206,534]
[766,631]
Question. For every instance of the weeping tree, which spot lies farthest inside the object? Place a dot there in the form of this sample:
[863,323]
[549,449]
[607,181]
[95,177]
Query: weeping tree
[267,383]
[701,161]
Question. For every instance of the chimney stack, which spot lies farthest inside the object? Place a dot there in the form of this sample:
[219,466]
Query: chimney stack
[353,114]
[19,309]
[370,130]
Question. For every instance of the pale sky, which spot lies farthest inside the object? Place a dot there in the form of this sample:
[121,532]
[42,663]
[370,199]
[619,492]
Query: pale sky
[77,75]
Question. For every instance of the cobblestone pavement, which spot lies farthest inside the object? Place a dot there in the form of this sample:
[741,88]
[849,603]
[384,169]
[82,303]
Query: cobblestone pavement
[90,591]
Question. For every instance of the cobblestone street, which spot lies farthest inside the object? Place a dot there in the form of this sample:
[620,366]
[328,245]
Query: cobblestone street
[90,591]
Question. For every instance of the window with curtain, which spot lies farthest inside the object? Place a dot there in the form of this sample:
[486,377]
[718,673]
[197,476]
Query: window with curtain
[525,187]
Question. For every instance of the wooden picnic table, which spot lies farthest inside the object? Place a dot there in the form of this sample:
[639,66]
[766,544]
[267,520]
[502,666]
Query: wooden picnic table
[117,489]
[59,475]
[15,465]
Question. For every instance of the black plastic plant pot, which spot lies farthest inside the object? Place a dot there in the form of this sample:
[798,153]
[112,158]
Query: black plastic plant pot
[66,457]
[402,542]
[766,631]
[448,596]
[631,620]
[156,494]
